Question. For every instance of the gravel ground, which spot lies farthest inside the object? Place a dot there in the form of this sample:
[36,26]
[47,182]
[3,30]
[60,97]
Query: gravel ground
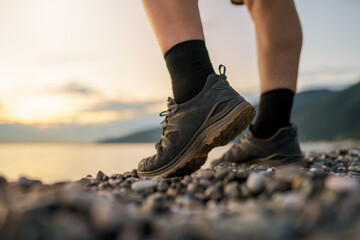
[319,201]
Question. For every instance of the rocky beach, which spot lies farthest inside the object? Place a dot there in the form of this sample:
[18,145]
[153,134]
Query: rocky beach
[318,201]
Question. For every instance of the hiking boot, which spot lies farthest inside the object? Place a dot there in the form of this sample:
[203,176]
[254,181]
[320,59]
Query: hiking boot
[280,149]
[190,130]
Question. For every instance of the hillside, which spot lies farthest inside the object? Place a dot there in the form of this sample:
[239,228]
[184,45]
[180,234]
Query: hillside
[147,136]
[334,115]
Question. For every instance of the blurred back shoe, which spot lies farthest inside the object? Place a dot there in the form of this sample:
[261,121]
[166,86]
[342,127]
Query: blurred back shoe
[280,149]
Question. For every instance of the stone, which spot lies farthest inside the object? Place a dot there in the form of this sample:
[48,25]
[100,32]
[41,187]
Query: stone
[221,174]
[204,182]
[26,182]
[341,184]
[255,183]
[205,173]
[354,168]
[276,185]
[2,180]
[231,190]
[288,174]
[288,201]
[156,203]
[143,185]
[343,151]
[355,152]
[191,188]
[212,192]
[134,173]
[101,176]
[158,179]
[353,174]
[162,186]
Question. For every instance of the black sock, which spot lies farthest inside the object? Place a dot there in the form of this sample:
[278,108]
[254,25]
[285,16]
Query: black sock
[274,112]
[189,66]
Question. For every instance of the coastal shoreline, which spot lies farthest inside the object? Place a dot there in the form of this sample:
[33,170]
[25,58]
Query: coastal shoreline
[320,200]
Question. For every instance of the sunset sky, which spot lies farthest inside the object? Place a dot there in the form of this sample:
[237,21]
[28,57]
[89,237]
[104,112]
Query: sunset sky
[78,70]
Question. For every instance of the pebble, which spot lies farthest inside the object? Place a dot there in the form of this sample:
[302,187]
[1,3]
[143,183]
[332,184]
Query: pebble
[143,185]
[2,180]
[213,193]
[354,168]
[191,188]
[255,183]
[231,190]
[341,184]
[101,176]
[205,173]
[162,186]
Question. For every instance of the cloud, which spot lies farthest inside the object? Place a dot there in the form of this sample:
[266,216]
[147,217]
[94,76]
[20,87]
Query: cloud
[330,77]
[79,118]
[78,88]
[142,107]
[332,70]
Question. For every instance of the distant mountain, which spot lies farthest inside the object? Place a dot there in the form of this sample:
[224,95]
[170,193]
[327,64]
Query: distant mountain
[147,136]
[329,115]
[319,115]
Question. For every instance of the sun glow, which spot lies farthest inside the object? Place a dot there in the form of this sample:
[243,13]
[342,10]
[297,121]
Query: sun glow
[47,112]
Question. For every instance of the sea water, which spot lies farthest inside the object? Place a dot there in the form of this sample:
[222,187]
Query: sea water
[53,162]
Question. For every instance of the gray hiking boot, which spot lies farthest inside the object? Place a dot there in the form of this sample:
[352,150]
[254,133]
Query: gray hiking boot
[190,130]
[280,149]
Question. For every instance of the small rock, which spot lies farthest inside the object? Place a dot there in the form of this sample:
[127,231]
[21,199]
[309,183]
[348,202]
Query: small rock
[341,184]
[101,176]
[143,185]
[289,200]
[162,186]
[191,188]
[255,183]
[353,174]
[354,168]
[205,173]
[221,174]
[204,182]
[212,192]
[134,173]
[355,152]
[232,190]
[158,178]
[28,182]
[2,180]
[156,203]
[343,151]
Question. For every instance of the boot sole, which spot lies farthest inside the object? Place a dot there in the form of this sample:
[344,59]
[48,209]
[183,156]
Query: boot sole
[219,133]
[279,160]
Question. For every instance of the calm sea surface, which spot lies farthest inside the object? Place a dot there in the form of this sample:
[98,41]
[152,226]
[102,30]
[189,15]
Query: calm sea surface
[60,162]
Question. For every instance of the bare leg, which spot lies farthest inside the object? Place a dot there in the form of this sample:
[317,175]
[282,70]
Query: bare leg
[174,21]
[279,40]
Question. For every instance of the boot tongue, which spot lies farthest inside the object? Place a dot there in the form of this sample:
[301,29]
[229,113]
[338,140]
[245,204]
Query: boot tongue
[170,102]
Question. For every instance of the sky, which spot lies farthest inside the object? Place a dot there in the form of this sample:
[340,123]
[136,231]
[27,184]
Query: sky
[80,70]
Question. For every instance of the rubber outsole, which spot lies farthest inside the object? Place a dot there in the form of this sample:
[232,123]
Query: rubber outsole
[279,160]
[215,135]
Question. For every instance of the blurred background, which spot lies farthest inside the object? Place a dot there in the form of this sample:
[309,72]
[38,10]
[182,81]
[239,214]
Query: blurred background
[84,71]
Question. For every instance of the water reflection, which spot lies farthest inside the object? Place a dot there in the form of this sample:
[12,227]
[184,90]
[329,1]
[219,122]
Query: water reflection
[60,162]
